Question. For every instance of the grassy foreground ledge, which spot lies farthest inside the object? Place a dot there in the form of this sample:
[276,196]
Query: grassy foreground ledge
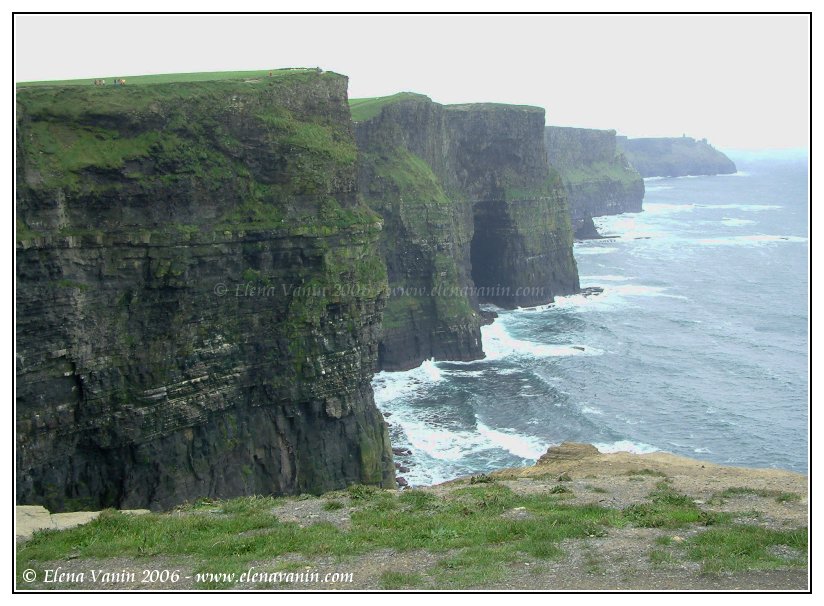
[637,522]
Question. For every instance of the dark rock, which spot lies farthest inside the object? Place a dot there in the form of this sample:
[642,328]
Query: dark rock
[586,230]
[403,469]
[401,481]
[144,377]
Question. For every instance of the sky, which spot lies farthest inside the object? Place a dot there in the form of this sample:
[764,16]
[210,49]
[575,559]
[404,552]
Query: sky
[741,81]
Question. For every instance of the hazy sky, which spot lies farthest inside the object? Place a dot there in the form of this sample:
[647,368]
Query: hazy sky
[742,81]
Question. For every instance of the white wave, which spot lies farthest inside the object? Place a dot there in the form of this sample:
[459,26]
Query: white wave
[625,446]
[526,447]
[702,450]
[593,250]
[740,173]
[744,207]
[733,222]
[751,240]
[661,208]
[589,410]
[498,344]
[613,296]
[451,445]
[594,280]
[654,178]
[658,188]
[629,226]
[389,386]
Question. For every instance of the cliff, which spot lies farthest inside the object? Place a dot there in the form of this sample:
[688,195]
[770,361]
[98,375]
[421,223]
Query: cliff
[675,157]
[199,294]
[596,175]
[472,213]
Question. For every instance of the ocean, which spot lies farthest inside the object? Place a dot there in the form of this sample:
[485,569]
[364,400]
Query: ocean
[698,344]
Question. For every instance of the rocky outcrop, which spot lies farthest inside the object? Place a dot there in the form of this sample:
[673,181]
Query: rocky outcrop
[472,213]
[567,451]
[199,294]
[675,157]
[597,176]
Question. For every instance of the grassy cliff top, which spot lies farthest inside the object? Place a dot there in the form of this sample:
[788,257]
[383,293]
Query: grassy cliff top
[494,107]
[171,78]
[576,520]
[369,107]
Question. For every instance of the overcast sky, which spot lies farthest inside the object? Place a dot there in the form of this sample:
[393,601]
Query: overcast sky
[742,81]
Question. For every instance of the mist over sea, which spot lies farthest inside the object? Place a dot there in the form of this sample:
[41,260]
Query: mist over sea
[697,346]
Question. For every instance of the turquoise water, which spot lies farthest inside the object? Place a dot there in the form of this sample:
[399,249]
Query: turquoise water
[697,346]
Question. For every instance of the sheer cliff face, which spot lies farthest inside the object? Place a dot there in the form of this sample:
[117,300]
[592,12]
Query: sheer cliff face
[675,157]
[406,176]
[199,294]
[598,177]
[521,252]
[471,213]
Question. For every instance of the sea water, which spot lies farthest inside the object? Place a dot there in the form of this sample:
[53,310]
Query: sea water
[698,344]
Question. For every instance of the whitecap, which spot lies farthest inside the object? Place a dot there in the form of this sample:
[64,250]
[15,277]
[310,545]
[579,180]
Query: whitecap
[594,251]
[526,447]
[733,222]
[661,208]
[744,207]
[625,446]
[589,410]
[604,278]
[613,296]
[751,240]
[498,344]
[389,386]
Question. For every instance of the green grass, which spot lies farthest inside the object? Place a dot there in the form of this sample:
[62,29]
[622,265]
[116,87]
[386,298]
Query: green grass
[646,472]
[744,547]
[171,78]
[669,509]
[400,580]
[245,530]
[464,529]
[368,107]
[660,557]
[780,496]
[596,489]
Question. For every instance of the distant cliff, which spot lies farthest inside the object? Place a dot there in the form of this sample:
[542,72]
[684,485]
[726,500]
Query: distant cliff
[199,294]
[472,213]
[675,157]
[596,175]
